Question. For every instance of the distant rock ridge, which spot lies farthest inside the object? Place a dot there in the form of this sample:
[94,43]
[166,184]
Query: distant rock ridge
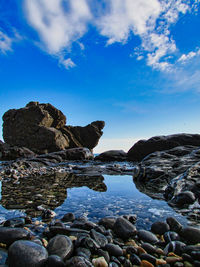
[42,128]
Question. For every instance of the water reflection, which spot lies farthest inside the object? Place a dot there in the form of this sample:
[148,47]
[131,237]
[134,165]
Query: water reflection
[50,191]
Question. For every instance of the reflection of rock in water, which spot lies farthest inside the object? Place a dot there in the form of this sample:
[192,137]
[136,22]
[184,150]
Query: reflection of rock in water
[49,191]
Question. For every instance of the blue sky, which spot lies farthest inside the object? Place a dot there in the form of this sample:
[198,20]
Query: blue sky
[133,63]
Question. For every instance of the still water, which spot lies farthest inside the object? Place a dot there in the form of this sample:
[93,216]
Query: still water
[91,196]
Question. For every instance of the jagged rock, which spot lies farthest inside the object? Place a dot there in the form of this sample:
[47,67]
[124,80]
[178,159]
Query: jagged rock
[159,143]
[8,152]
[41,128]
[112,155]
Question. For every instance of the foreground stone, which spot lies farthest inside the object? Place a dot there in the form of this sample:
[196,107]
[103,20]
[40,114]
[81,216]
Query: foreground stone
[41,128]
[26,253]
[160,143]
[104,247]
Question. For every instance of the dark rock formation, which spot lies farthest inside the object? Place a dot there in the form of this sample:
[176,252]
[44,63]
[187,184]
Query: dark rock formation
[172,175]
[159,143]
[8,152]
[112,155]
[41,128]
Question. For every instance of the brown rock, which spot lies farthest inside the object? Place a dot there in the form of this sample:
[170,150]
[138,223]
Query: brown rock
[41,128]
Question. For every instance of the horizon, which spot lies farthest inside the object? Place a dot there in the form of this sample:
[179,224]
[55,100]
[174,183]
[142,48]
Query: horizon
[101,60]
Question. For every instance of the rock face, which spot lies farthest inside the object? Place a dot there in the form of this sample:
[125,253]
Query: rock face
[159,143]
[173,175]
[42,129]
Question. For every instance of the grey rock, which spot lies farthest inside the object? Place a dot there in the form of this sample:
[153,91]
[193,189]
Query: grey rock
[147,236]
[112,155]
[114,250]
[8,235]
[191,235]
[124,229]
[159,227]
[61,246]
[24,253]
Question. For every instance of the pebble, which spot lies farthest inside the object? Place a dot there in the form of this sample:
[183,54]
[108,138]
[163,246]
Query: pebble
[160,228]
[191,235]
[100,262]
[124,229]
[147,236]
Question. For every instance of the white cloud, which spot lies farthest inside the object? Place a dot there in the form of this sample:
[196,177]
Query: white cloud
[126,16]
[67,63]
[5,43]
[185,57]
[58,28]
[60,23]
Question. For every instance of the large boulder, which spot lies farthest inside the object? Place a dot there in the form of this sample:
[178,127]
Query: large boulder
[159,143]
[42,129]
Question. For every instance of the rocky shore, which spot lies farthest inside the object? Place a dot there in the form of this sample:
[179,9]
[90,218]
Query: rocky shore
[41,147]
[112,241]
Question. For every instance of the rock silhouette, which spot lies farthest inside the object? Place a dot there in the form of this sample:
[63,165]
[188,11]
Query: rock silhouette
[41,128]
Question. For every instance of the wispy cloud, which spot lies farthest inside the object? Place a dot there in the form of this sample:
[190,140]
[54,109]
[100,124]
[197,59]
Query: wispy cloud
[5,43]
[61,23]
[58,26]
[186,57]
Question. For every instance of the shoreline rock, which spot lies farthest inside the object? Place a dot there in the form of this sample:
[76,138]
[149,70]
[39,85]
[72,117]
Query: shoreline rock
[41,128]
[115,245]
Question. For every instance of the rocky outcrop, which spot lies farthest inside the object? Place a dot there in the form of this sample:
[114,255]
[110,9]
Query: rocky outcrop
[159,143]
[172,175]
[41,128]
[112,155]
[8,152]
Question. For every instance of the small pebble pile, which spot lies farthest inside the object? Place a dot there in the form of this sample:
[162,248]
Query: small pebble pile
[111,242]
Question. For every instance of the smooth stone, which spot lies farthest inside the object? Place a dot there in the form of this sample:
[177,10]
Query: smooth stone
[124,229]
[23,253]
[184,198]
[114,250]
[83,252]
[135,260]
[53,261]
[148,257]
[16,222]
[174,225]
[195,255]
[159,227]
[90,243]
[105,254]
[149,248]
[145,263]
[191,235]
[171,236]
[8,235]
[131,250]
[108,222]
[61,246]
[113,264]
[78,261]
[68,217]
[196,263]
[99,262]
[175,246]
[99,238]
[147,236]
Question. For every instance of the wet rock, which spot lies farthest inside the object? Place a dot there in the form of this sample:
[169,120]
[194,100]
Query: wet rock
[171,236]
[61,246]
[104,254]
[53,261]
[174,225]
[175,246]
[100,262]
[24,253]
[184,198]
[99,238]
[8,235]
[149,248]
[68,217]
[147,236]
[135,260]
[112,155]
[83,252]
[77,261]
[191,235]
[15,222]
[159,227]
[148,257]
[108,222]
[124,229]
[159,143]
[114,250]
[3,256]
